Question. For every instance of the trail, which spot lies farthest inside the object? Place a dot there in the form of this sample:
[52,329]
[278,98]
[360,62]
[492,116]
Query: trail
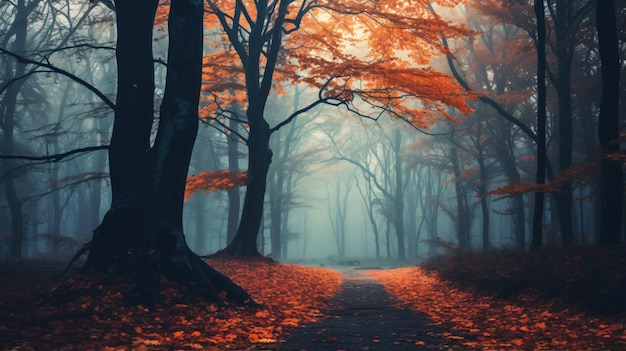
[363,316]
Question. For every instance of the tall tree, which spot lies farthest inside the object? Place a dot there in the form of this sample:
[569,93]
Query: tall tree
[320,53]
[612,179]
[142,232]
[537,221]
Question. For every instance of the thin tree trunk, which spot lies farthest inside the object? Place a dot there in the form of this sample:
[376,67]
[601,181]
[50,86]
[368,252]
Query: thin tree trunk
[398,198]
[538,210]
[234,197]
[8,109]
[562,83]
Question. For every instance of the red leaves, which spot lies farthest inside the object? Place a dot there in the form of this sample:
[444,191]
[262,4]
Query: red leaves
[494,324]
[214,181]
[293,295]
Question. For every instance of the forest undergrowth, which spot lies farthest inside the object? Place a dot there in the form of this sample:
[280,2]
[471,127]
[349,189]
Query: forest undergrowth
[549,300]
[586,279]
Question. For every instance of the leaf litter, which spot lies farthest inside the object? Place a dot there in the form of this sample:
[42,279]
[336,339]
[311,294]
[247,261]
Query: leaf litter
[291,296]
[483,322]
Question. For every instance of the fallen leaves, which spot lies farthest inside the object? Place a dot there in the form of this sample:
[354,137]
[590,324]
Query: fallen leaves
[291,295]
[483,322]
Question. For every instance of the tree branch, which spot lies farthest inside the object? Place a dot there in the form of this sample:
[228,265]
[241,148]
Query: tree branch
[55,157]
[71,76]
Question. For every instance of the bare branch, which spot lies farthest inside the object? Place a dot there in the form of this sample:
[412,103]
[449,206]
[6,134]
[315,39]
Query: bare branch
[55,157]
[71,76]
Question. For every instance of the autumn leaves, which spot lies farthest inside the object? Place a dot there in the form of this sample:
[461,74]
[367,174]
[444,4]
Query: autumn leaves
[475,321]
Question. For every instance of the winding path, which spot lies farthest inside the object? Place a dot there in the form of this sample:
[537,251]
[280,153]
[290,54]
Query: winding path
[363,316]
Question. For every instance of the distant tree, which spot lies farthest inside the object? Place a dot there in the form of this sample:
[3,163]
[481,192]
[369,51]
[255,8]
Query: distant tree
[234,194]
[537,221]
[338,210]
[381,163]
[12,79]
[369,201]
[30,30]
[141,235]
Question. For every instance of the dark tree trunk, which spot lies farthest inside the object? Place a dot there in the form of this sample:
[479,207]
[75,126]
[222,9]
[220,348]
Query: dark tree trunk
[398,197]
[562,83]
[537,224]
[611,181]
[127,219]
[8,109]
[244,245]
[142,233]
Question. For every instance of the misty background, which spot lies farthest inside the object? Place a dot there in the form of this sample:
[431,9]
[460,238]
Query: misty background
[340,186]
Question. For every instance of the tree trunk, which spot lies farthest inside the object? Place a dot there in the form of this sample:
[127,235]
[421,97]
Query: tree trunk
[141,236]
[244,245]
[398,198]
[563,87]
[611,181]
[129,168]
[537,221]
[234,198]
[276,213]
[462,221]
[8,108]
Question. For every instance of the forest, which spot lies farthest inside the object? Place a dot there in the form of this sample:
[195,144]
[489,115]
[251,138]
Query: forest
[262,175]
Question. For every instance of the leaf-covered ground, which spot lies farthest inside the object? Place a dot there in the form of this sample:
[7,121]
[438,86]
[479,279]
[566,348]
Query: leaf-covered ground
[490,301]
[292,295]
[482,321]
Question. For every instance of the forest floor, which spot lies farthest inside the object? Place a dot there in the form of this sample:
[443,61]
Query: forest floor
[492,301]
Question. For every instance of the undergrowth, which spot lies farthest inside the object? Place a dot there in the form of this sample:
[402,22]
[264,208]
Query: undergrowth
[591,279]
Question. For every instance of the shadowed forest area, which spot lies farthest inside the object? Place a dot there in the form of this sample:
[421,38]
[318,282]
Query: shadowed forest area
[312,175]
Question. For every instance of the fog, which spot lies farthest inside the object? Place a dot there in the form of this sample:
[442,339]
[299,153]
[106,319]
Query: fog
[358,181]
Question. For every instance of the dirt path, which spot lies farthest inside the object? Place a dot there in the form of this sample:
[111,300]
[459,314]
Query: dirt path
[363,316]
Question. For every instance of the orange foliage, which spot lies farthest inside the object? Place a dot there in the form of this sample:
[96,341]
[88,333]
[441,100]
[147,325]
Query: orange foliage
[292,295]
[483,322]
[214,181]
[374,53]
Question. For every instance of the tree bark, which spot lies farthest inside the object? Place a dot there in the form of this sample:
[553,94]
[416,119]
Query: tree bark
[141,236]
[130,139]
[611,180]
[244,245]
[8,108]
[562,83]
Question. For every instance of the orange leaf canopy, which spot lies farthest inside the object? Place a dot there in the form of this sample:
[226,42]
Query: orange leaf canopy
[368,56]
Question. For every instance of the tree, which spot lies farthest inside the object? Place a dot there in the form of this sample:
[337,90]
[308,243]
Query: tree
[321,54]
[30,30]
[612,179]
[142,232]
[537,232]
[337,212]
[567,20]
